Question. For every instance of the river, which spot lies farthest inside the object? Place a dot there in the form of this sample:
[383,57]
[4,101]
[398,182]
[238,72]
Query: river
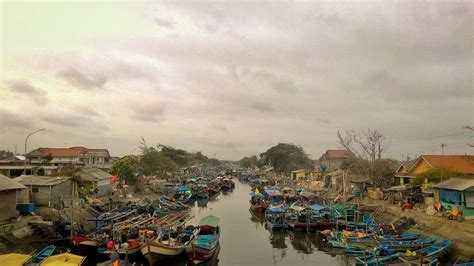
[245,241]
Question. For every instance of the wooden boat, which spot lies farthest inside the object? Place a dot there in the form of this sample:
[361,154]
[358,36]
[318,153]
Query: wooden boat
[275,218]
[64,259]
[14,259]
[206,243]
[40,256]
[227,184]
[257,202]
[428,253]
[404,245]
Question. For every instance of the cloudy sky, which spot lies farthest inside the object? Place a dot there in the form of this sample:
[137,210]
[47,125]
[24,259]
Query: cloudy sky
[233,78]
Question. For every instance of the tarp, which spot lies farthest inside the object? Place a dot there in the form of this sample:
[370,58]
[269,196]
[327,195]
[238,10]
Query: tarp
[317,207]
[298,208]
[273,192]
[209,220]
[450,196]
[192,180]
[183,188]
[276,209]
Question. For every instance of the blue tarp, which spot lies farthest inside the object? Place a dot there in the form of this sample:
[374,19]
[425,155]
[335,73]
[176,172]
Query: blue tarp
[317,207]
[450,196]
[183,188]
[276,209]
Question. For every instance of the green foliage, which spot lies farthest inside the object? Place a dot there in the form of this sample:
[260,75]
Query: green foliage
[249,162]
[166,158]
[285,158]
[124,169]
[435,176]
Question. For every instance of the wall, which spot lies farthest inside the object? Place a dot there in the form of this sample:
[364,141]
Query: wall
[53,196]
[8,204]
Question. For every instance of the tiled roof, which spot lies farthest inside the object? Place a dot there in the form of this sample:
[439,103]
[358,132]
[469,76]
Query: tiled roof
[7,183]
[92,174]
[337,154]
[64,152]
[458,163]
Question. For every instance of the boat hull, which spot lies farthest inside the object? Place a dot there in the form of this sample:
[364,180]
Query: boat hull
[154,251]
[198,255]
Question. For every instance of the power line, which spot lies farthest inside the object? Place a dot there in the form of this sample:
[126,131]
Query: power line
[435,137]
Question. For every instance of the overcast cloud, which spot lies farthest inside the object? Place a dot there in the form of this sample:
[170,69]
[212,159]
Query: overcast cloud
[235,78]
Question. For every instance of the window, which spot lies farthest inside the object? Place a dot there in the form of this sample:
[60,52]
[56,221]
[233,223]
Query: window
[35,190]
[469,198]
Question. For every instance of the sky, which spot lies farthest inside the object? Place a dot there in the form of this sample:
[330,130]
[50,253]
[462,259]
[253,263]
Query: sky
[233,78]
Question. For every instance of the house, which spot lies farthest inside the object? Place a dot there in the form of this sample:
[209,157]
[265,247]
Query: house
[299,175]
[8,196]
[48,191]
[332,159]
[456,193]
[463,164]
[73,156]
[95,180]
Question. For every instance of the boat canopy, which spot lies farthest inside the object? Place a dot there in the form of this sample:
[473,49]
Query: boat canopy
[276,209]
[273,192]
[256,195]
[298,208]
[317,207]
[209,220]
[182,188]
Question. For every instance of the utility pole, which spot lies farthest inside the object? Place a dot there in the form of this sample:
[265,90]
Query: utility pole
[442,161]
[26,144]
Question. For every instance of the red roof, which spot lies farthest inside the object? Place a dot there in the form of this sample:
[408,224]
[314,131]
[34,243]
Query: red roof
[459,163]
[337,154]
[65,152]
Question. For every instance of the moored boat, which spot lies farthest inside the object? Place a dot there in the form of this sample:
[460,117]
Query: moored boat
[206,243]
[41,256]
[64,259]
[14,259]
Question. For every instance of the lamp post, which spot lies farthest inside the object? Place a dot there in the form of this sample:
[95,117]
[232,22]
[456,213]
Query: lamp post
[26,143]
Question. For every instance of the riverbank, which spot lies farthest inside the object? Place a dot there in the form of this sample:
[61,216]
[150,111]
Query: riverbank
[462,233]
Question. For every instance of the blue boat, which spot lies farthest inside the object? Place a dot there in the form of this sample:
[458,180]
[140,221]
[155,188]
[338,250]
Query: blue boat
[408,244]
[40,256]
[428,253]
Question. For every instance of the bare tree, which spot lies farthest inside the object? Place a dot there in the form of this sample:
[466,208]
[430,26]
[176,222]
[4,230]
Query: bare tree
[369,145]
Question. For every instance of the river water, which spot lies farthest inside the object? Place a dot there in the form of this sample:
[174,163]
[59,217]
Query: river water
[245,241]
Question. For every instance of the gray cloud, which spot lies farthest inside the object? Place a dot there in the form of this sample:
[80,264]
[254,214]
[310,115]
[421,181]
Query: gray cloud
[404,68]
[147,111]
[15,121]
[25,88]
[77,78]
[165,22]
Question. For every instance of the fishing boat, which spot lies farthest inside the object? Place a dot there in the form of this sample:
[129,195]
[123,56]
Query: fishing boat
[275,218]
[41,256]
[64,259]
[14,259]
[257,202]
[168,244]
[182,194]
[206,243]
[410,244]
[314,217]
[227,184]
[428,253]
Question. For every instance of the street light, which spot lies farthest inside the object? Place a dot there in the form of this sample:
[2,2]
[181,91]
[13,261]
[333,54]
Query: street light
[26,143]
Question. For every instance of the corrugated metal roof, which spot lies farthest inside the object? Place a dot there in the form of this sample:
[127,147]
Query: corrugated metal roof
[7,183]
[459,184]
[41,180]
[93,174]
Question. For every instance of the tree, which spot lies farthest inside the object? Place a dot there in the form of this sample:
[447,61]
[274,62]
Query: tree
[249,162]
[368,148]
[124,169]
[285,158]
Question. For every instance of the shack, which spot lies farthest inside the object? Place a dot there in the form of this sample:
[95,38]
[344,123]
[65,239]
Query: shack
[48,191]
[8,196]
[95,181]
[397,194]
[298,175]
[456,193]
[359,186]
